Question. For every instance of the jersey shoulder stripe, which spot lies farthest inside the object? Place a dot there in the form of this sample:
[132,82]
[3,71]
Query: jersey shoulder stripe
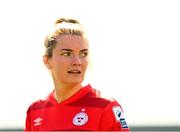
[92,99]
[40,104]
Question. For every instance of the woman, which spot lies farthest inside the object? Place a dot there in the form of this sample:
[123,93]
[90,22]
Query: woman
[72,106]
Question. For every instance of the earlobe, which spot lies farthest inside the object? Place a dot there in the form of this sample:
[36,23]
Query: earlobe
[46,61]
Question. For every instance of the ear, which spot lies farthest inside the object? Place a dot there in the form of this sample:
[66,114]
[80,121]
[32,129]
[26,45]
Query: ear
[46,61]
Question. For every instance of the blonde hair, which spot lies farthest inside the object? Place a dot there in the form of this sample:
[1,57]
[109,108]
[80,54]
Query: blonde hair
[62,27]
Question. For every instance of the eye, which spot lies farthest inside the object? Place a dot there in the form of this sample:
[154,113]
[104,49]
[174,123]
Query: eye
[83,54]
[66,54]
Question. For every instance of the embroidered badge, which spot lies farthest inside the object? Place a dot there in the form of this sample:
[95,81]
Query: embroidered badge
[123,123]
[119,115]
[80,118]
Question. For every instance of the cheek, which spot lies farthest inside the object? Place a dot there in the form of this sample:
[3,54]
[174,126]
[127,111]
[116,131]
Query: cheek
[60,65]
[85,63]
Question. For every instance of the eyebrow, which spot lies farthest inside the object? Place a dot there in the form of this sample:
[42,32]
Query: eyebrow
[72,50]
[67,49]
[84,50]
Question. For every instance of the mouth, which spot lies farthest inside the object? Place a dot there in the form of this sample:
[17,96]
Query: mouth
[74,72]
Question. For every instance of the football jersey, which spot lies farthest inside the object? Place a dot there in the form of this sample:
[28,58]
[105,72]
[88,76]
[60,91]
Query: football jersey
[86,110]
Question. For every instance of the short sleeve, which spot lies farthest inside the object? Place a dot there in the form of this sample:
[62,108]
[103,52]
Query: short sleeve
[112,119]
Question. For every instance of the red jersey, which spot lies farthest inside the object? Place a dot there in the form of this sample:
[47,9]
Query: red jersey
[85,110]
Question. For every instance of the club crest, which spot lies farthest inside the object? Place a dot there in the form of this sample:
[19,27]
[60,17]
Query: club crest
[80,119]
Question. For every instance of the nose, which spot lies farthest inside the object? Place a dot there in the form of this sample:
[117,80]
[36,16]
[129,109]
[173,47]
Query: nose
[76,61]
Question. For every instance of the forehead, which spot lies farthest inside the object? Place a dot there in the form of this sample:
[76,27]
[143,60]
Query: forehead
[73,42]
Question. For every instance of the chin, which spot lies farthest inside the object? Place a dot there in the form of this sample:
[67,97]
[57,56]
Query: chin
[75,81]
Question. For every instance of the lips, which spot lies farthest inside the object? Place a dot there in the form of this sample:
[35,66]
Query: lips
[74,71]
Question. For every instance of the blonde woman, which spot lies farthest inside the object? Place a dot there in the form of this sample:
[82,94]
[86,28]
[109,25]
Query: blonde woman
[72,106]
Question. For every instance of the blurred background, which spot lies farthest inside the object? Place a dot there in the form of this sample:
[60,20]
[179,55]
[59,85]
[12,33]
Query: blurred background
[135,56]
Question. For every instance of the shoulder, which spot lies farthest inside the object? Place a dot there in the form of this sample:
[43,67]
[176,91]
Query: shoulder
[112,105]
[101,96]
[112,117]
[40,104]
[101,99]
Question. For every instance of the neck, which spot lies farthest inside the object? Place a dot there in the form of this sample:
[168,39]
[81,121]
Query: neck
[64,91]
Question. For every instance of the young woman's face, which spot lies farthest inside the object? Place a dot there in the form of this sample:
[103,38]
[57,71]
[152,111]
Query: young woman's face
[69,59]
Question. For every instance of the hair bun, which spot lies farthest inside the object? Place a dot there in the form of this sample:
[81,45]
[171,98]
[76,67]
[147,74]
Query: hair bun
[61,20]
